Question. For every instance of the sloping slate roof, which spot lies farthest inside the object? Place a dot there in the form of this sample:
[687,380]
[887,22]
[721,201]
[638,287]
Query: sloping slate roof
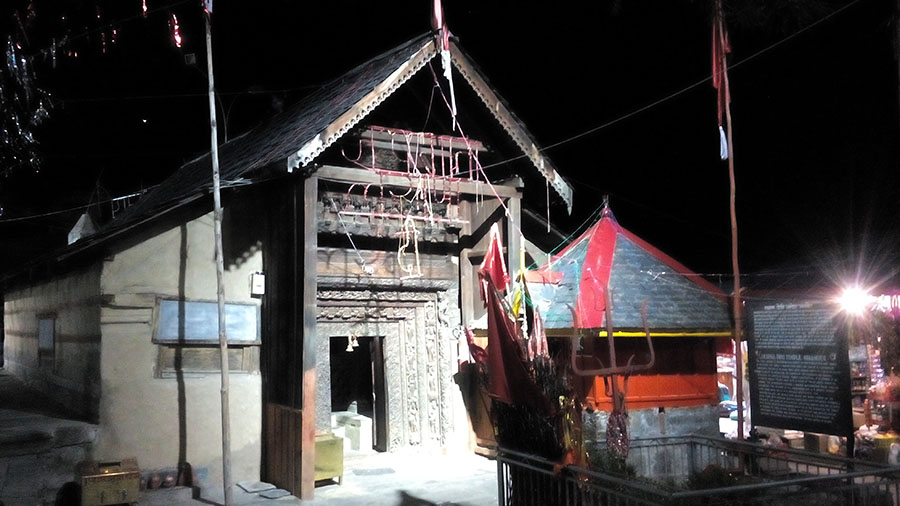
[673,300]
[639,271]
[278,138]
[554,300]
[329,112]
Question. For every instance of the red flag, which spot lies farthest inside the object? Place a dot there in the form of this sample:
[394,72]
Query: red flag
[508,381]
[720,48]
[477,352]
[493,266]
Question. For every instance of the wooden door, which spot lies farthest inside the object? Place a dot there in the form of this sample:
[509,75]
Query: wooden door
[379,397]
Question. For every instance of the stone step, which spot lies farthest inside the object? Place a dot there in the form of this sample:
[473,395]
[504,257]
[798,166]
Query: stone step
[29,434]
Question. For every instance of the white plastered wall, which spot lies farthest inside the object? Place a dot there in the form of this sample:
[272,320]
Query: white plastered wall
[73,302]
[139,412]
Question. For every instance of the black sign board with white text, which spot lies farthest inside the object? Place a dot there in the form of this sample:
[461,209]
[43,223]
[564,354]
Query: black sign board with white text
[799,367]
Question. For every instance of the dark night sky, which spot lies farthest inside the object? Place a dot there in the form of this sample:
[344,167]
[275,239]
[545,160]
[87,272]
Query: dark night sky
[815,118]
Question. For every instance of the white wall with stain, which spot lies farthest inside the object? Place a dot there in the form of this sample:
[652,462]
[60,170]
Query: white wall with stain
[162,420]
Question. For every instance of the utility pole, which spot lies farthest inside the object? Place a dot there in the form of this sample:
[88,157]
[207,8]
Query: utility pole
[220,266]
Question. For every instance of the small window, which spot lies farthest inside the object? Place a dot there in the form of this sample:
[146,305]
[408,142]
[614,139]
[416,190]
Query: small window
[202,360]
[197,323]
[46,340]
[186,333]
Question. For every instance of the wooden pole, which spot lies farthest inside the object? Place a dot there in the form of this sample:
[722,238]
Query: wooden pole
[308,387]
[736,299]
[220,272]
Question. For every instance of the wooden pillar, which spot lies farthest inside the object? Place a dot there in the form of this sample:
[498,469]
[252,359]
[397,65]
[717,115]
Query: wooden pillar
[513,237]
[308,392]
[466,273]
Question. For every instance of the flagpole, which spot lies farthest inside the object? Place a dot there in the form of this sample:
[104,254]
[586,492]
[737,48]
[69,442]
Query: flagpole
[737,307]
[736,299]
[720,49]
[220,270]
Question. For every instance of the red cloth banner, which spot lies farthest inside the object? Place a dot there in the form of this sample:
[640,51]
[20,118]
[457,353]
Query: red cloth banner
[508,380]
[493,267]
[720,48]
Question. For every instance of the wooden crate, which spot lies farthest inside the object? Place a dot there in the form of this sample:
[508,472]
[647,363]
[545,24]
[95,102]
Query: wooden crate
[114,482]
[329,457]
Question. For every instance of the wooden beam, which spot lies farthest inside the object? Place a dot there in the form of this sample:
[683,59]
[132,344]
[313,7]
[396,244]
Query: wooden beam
[351,175]
[308,389]
[309,151]
[391,139]
[567,333]
[513,126]
[469,241]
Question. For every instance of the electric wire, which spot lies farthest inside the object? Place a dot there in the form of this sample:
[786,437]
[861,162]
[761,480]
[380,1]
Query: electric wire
[188,95]
[113,24]
[72,209]
[683,90]
[437,84]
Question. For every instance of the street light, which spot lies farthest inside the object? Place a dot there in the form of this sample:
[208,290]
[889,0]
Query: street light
[855,300]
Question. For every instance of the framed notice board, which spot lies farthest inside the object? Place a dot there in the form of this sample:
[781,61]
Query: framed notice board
[195,322]
[799,367]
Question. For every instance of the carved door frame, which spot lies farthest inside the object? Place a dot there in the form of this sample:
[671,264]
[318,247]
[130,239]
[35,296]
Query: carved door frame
[416,359]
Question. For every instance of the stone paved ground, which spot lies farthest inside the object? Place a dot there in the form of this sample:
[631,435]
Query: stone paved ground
[39,447]
[395,479]
[409,479]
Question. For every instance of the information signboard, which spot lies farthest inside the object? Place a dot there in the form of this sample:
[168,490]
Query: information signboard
[799,368]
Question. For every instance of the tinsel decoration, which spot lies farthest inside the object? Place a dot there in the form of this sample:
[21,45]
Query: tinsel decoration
[617,441]
[23,107]
[176,30]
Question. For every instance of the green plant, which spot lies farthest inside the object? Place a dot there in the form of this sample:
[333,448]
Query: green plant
[602,461]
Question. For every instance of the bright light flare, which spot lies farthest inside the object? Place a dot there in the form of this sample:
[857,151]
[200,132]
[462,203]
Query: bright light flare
[855,300]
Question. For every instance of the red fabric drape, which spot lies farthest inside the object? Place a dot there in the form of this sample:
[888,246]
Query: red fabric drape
[509,381]
[720,48]
[493,266]
[477,352]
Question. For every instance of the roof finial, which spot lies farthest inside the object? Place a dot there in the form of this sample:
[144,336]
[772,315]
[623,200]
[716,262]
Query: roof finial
[437,16]
[439,25]
[605,211]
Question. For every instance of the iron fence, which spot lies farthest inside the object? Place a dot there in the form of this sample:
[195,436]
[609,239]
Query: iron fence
[694,470]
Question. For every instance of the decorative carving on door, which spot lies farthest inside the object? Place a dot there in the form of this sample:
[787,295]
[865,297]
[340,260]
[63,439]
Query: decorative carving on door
[417,334]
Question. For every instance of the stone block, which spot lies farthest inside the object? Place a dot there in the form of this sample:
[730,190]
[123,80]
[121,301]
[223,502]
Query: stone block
[357,429]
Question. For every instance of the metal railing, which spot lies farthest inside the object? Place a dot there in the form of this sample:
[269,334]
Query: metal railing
[667,471]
